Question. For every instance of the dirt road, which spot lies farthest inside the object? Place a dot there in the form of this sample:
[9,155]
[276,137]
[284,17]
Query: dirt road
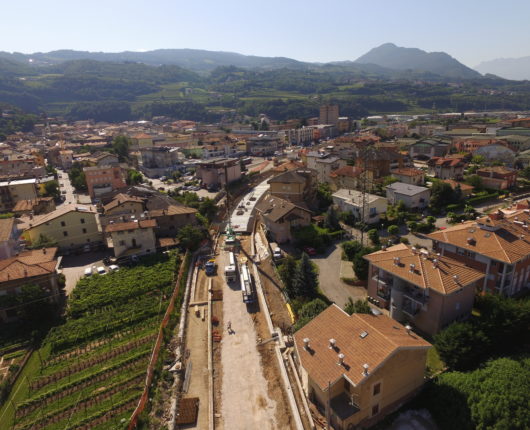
[245,400]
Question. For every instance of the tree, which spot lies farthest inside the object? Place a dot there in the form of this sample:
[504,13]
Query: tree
[331,219]
[43,241]
[51,189]
[393,230]
[441,195]
[360,265]
[458,193]
[358,307]
[476,182]
[287,271]
[413,226]
[134,177]
[309,311]
[347,218]
[77,177]
[305,282]
[120,146]
[373,235]
[324,198]
[208,208]
[190,236]
[461,346]
[478,159]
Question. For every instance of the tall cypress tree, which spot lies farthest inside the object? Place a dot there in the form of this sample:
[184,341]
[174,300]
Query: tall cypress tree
[305,281]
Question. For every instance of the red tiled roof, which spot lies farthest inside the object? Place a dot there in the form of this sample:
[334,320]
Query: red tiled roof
[132,225]
[28,264]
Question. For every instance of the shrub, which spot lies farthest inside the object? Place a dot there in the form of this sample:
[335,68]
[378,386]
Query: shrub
[393,230]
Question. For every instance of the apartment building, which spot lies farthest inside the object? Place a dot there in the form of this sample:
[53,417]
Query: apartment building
[323,164]
[329,114]
[498,245]
[296,186]
[159,160]
[498,177]
[36,267]
[9,238]
[409,175]
[356,369]
[412,196]
[218,171]
[446,168]
[132,237]
[371,205]
[419,287]
[103,179]
[352,178]
[71,226]
[263,145]
[12,192]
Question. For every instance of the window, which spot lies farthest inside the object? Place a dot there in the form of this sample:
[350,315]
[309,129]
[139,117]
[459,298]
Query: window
[84,230]
[65,233]
[122,243]
[63,224]
[377,388]
[82,220]
[375,409]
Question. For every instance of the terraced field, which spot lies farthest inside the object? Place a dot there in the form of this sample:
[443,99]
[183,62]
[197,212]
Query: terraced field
[90,371]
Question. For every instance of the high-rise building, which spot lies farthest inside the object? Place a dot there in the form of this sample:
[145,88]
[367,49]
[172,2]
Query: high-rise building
[329,114]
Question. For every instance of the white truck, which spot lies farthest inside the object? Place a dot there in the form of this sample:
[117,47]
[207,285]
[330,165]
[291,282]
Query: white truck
[275,251]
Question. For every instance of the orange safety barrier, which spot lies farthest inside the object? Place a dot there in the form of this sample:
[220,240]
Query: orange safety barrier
[156,350]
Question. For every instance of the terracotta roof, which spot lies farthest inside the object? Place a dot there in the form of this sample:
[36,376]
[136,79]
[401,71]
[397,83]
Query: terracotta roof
[120,199]
[172,210]
[28,264]
[6,227]
[407,171]
[289,177]
[289,165]
[445,162]
[383,337]
[350,171]
[275,208]
[63,210]
[505,239]
[28,205]
[502,170]
[428,274]
[131,225]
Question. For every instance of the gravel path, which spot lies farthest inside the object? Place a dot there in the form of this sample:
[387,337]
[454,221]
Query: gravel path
[245,400]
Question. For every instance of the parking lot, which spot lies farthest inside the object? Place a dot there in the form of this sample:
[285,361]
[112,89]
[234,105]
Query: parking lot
[73,266]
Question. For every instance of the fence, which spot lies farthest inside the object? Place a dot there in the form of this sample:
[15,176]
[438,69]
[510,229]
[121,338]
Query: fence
[156,350]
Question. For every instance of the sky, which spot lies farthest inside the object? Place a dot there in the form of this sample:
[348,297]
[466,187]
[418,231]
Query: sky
[472,31]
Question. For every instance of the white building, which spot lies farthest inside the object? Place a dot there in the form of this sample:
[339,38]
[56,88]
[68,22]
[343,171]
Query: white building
[413,196]
[352,201]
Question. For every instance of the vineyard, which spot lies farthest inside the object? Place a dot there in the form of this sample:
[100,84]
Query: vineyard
[90,371]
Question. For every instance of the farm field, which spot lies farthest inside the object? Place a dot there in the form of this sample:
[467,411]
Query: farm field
[90,371]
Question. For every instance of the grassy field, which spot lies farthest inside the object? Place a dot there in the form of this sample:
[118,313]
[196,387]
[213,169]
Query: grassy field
[98,379]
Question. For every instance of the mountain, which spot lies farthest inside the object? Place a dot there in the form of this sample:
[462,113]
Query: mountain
[509,68]
[193,59]
[391,56]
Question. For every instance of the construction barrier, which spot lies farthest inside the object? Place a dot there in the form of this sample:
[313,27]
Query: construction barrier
[156,350]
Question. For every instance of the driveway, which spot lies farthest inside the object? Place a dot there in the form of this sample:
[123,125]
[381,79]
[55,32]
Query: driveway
[73,266]
[329,278]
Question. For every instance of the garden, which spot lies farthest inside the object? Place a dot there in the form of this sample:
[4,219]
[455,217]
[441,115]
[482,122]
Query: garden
[90,371]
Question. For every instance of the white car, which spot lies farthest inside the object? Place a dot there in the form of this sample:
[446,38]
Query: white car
[88,271]
[101,270]
[113,268]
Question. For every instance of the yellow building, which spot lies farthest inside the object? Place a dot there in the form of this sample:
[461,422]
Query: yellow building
[357,369]
[12,192]
[71,226]
[132,237]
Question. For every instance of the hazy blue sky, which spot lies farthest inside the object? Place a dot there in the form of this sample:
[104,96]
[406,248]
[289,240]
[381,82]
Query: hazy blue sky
[469,30]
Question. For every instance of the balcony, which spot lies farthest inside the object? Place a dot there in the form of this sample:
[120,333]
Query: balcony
[416,294]
[342,407]
[410,307]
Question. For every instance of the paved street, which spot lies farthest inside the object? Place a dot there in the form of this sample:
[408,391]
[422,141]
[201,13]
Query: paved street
[73,266]
[329,278]
[245,399]
[65,185]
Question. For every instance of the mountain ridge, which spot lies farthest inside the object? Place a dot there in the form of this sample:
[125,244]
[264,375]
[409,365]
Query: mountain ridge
[508,68]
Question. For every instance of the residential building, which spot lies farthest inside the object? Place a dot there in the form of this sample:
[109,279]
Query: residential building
[66,158]
[262,145]
[38,206]
[380,160]
[11,192]
[296,186]
[132,237]
[428,148]
[219,150]
[71,226]
[365,207]
[16,165]
[344,124]
[36,267]
[219,171]
[103,179]
[352,178]
[280,216]
[323,131]
[142,140]
[159,161]
[421,288]
[105,159]
[497,245]
[356,369]
[466,189]
[299,136]
[329,114]
[323,164]
[9,238]
[446,168]
[172,218]
[412,196]
[498,177]
[409,175]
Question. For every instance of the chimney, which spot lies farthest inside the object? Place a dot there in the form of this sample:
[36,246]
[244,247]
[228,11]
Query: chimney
[455,277]
[412,267]
[435,262]
[341,359]
[408,328]
[332,343]
[44,250]
[365,369]
[396,261]
[306,344]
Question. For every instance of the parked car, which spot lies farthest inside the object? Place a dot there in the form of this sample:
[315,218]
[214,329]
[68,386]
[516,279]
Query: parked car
[310,251]
[101,270]
[86,248]
[114,268]
[88,271]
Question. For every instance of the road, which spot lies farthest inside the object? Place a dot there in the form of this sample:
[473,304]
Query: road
[329,278]
[65,185]
[245,400]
